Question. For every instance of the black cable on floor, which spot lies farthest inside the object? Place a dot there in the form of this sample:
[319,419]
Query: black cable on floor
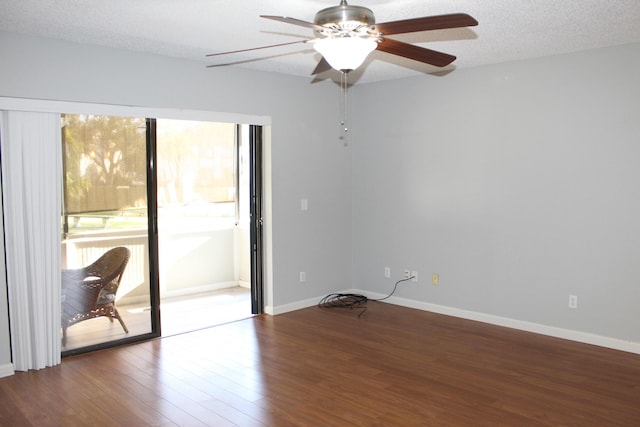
[352,301]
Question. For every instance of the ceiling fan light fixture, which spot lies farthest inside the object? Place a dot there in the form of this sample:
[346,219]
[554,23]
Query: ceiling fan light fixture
[345,53]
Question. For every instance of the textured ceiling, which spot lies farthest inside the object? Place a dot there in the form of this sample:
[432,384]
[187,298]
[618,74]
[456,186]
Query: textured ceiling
[508,29]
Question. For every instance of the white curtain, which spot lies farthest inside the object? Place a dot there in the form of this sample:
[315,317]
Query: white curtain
[31,177]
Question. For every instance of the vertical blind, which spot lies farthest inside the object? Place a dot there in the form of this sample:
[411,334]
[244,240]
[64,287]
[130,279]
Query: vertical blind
[31,177]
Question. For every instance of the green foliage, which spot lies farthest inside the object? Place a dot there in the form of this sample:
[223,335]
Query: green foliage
[102,153]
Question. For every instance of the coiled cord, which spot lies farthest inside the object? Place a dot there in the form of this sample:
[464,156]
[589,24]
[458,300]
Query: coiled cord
[352,301]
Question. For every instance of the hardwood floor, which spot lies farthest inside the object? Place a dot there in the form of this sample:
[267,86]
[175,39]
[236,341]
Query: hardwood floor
[393,366]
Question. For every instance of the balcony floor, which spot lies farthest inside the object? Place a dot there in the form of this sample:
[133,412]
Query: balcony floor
[178,315]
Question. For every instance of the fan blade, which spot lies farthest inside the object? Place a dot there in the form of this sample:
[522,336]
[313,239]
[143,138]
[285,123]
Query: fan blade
[322,66]
[426,23]
[416,53]
[293,21]
[257,48]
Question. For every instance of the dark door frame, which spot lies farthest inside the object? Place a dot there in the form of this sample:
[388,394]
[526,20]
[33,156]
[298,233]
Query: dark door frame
[152,208]
[256,221]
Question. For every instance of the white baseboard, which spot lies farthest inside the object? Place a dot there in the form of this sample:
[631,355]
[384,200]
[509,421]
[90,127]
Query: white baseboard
[568,334]
[127,300]
[274,310]
[6,370]
[198,289]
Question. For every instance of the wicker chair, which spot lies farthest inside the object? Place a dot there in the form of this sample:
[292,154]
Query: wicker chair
[90,292]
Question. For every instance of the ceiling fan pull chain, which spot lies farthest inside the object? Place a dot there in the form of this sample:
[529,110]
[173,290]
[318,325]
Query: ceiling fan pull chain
[344,128]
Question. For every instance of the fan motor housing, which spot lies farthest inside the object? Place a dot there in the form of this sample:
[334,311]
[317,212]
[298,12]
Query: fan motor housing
[345,13]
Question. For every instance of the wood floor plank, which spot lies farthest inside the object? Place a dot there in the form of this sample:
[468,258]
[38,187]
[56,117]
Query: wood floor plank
[328,367]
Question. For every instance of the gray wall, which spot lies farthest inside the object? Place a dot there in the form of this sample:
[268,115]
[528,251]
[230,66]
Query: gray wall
[518,183]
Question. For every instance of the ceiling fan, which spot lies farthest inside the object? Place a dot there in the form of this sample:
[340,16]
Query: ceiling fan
[346,34]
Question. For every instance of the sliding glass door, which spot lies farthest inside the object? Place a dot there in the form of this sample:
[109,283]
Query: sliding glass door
[157,214]
[203,224]
[106,270]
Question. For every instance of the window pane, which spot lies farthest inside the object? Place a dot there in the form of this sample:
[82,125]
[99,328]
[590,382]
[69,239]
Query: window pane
[105,207]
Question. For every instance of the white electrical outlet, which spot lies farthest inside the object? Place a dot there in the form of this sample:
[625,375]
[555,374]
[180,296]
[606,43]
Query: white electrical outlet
[573,301]
[303,277]
[387,272]
[407,274]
